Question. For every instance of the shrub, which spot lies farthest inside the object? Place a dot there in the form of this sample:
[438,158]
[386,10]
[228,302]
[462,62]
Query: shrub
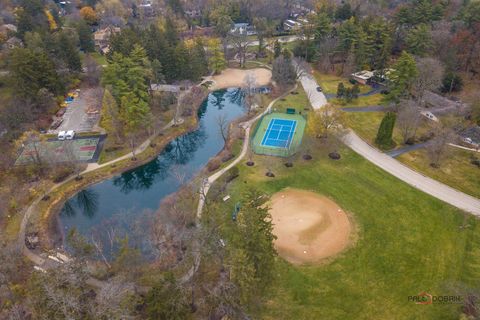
[213,165]
[452,83]
[232,174]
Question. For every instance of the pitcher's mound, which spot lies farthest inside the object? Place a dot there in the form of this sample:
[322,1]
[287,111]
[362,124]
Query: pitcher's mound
[309,227]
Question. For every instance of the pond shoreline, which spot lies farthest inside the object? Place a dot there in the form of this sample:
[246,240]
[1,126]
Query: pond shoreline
[48,217]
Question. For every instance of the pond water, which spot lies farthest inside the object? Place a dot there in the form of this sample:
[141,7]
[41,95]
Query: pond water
[124,199]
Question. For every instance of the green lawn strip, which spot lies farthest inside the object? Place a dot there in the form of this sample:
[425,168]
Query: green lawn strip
[456,171]
[297,99]
[366,124]
[329,83]
[373,100]
[408,242]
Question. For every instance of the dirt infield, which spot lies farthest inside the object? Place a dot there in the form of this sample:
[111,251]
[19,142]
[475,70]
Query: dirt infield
[309,227]
[235,78]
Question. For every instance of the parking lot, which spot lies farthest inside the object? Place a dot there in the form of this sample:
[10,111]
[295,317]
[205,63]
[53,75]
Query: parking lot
[82,114]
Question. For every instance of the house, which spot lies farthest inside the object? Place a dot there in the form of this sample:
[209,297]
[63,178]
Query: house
[165,88]
[102,37]
[193,13]
[369,77]
[291,25]
[362,77]
[12,43]
[243,28]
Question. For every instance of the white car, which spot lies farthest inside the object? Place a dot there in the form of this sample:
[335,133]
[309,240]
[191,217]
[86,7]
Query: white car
[61,135]
[70,134]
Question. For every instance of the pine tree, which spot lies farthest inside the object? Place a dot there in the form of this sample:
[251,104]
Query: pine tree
[385,131]
[69,53]
[256,237]
[85,37]
[340,90]
[277,49]
[402,77]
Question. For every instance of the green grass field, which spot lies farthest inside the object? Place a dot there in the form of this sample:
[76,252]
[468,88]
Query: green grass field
[456,171]
[329,83]
[407,242]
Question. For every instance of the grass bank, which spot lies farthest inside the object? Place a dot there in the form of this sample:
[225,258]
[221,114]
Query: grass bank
[457,171]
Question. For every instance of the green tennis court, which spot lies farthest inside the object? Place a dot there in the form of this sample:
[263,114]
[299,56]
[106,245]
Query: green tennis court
[278,134]
[84,149]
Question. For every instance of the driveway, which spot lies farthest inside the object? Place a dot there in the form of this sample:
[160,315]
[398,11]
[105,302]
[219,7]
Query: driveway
[317,99]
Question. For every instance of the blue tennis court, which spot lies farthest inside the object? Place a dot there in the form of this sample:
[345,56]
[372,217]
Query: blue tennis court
[279,133]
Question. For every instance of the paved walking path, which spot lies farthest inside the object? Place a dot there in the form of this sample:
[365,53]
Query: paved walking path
[246,126]
[317,99]
[428,185]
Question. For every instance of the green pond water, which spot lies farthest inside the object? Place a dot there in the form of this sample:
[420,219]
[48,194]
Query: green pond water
[124,205]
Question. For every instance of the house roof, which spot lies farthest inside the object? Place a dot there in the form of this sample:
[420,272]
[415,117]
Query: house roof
[164,87]
[364,74]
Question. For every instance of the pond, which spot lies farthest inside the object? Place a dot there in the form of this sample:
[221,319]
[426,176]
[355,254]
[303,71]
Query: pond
[125,201]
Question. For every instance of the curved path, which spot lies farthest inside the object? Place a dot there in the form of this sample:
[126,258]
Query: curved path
[246,126]
[428,185]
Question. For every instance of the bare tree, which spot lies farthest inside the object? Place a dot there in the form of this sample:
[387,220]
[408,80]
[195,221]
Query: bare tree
[92,71]
[437,149]
[222,122]
[301,67]
[327,120]
[408,120]
[240,43]
[249,88]
[430,75]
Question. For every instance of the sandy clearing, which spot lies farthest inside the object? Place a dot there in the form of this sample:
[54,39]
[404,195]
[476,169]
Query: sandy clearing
[309,227]
[235,78]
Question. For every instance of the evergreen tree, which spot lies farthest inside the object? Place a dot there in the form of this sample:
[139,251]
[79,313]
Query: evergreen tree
[69,53]
[340,90]
[323,27]
[419,40]
[31,71]
[385,131]
[277,49]
[85,37]
[402,77]
[355,91]
[255,244]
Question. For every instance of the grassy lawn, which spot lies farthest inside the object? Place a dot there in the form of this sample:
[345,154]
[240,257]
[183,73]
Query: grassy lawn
[298,101]
[99,58]
[456,171]
[329,83]
[366,124]
[407,242]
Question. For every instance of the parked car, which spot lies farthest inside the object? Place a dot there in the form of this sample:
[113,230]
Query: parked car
[61,135]
[70,134]
[319,89]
